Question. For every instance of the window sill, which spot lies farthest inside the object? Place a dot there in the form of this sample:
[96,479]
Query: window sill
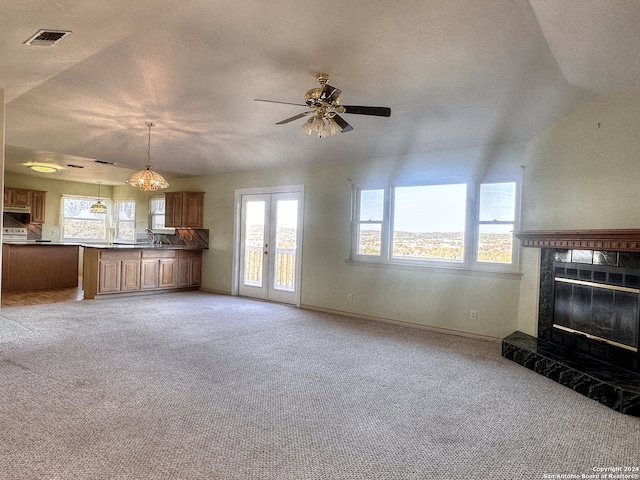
[456,270]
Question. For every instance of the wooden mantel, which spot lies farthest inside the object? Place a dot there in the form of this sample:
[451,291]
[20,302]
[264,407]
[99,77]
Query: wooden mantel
[625,240]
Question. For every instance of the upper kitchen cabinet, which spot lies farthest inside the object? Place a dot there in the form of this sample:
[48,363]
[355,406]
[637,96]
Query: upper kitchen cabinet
[20,197]
[17,197]
[38,201]
[184,209]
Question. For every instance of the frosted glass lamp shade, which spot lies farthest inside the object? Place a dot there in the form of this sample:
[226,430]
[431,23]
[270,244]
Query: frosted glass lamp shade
[147,180]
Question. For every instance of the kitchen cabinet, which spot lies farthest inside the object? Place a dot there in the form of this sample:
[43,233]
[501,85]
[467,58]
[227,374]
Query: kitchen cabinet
[159,269]
[38,202]
[113,270]
[119,272]
[149,274]
[17,197]
[130,275]
[184,209]
[167,273]
[109,276]
[20,197]
[189,268]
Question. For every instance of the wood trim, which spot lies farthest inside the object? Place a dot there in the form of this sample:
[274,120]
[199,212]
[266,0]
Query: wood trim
[624,240]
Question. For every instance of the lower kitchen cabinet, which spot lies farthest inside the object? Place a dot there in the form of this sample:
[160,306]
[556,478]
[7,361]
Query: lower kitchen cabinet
[159,269]
[149,274]
[116,270]
[189,268]
[109,276]
[130,275]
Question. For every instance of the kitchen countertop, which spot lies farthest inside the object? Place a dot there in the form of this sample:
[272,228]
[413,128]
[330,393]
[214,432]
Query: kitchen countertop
[34,242]
[140,246]
[110,246]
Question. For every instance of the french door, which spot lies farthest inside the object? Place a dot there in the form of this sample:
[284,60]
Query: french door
[269,263]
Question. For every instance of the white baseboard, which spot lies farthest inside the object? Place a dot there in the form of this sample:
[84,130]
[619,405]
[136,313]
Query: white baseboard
[448,331]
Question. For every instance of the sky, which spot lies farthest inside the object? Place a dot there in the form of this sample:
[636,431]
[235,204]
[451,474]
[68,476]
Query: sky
[439,208]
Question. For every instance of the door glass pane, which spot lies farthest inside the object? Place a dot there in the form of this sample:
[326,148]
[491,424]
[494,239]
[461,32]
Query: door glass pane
[429,222]
[286,235]
[495,243]
[254,242]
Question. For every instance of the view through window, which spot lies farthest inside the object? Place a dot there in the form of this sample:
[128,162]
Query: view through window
[78,223]
[125,220]
[461,224]
[157,213]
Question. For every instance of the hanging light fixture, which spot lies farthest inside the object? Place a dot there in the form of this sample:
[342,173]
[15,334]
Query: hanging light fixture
[98,207]
[148,180]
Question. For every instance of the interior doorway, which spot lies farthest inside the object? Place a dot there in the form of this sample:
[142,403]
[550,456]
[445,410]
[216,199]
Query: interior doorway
[268,246]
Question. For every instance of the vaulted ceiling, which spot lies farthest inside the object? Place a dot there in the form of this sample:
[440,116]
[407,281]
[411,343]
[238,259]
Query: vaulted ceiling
[455,73]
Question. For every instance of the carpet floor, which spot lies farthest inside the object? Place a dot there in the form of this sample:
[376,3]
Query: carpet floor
[192,385]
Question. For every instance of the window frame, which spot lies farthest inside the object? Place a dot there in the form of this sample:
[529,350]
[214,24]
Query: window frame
[117,221]
[384,224]
[471,234]
[106,216]
[152,215]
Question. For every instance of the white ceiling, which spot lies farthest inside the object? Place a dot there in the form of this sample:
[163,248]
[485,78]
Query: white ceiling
[455,73]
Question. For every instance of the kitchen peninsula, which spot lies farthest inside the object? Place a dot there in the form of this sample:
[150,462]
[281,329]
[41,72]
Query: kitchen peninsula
[133,269]
[39,266]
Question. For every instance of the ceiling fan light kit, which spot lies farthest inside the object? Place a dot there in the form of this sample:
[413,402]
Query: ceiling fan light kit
[324,105]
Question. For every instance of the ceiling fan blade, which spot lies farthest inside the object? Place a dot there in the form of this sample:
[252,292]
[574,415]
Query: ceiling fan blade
[342,123]
[377,111]
[295,117]
[276,101]
[329,94]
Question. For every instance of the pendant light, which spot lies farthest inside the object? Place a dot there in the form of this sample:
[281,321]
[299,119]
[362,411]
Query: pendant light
[148,180]
[98,207]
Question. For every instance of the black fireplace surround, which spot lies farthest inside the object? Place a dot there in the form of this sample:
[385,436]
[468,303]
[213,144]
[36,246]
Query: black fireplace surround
[588,325]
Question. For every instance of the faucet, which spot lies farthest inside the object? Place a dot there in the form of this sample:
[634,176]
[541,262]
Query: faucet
[153,239]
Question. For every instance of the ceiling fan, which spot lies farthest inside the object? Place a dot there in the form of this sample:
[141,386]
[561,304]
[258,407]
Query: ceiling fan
[324,106]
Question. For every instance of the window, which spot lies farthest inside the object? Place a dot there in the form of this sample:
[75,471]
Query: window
[371,214]
[460,225]
[79,224]
[496,222]
[157,213]
[429,222]
[125,220]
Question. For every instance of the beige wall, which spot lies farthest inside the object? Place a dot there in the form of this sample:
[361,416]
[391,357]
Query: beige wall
[440,299]
[580,173]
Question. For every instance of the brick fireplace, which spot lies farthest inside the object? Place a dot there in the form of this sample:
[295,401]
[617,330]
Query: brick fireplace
[588,316]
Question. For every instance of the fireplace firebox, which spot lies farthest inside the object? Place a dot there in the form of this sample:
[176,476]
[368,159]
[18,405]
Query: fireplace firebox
[588,315]
[596,311]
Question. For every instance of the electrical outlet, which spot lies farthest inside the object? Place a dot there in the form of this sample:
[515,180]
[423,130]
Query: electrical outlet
[473,315]
[349,297]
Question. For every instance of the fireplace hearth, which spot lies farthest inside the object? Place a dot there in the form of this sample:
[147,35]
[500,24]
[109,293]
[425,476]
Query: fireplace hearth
[588,317]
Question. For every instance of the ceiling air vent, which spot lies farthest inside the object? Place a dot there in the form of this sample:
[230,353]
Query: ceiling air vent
[47,38]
